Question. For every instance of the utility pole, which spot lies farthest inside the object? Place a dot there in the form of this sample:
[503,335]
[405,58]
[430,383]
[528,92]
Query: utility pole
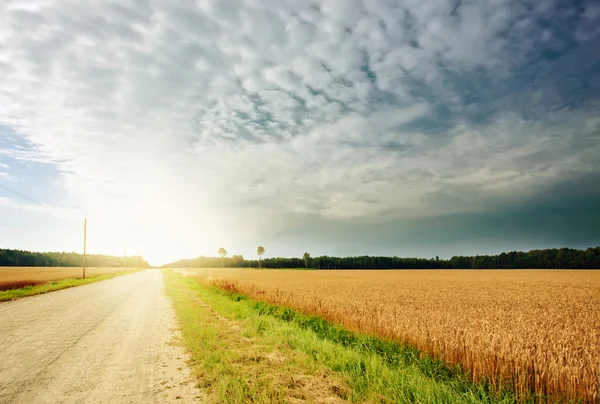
[84,243]
[125,258]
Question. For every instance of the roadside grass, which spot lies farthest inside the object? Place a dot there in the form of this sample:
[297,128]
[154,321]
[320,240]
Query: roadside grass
[360,368]
[45,287]
[235,356]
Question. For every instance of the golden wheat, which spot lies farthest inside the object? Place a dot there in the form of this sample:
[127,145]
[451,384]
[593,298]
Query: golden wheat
[9,274]
[537,331]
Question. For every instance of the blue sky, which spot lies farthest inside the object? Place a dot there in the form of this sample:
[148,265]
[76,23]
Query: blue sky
[342,127]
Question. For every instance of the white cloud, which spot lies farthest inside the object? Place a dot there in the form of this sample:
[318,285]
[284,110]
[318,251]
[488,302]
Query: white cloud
[168,117]
[6,176]
[46,209]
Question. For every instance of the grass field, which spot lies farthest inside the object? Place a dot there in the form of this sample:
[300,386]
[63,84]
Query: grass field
[18,282]
[530,331]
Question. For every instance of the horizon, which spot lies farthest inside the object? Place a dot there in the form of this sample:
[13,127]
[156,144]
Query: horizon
[245,258]
[361,127]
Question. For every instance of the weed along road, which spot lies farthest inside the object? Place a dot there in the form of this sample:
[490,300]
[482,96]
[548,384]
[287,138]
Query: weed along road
[106,342]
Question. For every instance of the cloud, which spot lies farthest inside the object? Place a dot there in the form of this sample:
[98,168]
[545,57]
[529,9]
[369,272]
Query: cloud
[5,175]
[4,168]
[163,117]
[45,209]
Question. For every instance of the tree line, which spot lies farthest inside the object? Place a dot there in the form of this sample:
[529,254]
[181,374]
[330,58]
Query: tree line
[553,258]
[21,258]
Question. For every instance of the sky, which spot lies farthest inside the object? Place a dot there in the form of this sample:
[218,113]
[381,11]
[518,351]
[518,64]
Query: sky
[338,127]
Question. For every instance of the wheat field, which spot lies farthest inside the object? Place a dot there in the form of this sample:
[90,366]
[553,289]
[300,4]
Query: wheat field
[11,274]
[531,331]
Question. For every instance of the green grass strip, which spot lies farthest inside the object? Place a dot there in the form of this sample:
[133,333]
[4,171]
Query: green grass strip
[230,346]
[52,286]
[391,353]
[375,370]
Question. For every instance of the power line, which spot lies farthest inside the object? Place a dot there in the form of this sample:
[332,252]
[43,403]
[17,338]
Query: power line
[36,203]
[17,193]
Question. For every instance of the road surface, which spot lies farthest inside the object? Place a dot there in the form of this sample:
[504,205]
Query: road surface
[106,342]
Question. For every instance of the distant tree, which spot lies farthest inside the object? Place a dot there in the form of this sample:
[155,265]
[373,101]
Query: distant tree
[306,258]
[260,251]
[237,260]
[549,258]
[223,254]
[53,259]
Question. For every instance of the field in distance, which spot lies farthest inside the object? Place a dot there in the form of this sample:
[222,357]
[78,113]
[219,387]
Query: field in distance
[533,330]
[11,274]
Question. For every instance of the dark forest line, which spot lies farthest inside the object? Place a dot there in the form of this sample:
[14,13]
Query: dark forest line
[21,258]
[563,258]
[553,258]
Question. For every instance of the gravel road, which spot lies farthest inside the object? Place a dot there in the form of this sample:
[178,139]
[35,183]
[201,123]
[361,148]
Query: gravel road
[106,342]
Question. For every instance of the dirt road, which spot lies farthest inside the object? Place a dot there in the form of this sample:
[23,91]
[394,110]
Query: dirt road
[107,342]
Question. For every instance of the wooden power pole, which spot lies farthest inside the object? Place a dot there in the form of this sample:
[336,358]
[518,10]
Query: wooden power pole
[84,243]
[125,258]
